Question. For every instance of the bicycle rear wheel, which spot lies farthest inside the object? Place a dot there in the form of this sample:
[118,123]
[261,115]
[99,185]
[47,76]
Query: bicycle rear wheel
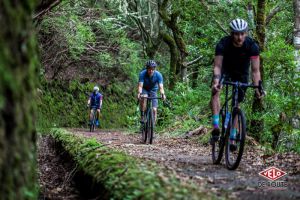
[234,155]
[218,147]
[151,124]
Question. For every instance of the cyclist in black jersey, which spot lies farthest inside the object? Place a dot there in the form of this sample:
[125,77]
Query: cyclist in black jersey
[233,56]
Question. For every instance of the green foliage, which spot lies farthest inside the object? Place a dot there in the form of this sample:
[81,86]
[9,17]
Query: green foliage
[118,172]
[189,109]
[63,104]
[101,32]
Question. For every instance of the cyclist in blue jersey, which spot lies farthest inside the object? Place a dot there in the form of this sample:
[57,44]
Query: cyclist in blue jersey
[150,80]
[233,56]
[95,101]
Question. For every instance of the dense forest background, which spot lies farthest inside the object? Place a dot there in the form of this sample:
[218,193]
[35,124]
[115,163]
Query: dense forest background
[84,43]
[52,53]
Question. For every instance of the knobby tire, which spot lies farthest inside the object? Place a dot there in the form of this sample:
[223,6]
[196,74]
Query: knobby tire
[242,130]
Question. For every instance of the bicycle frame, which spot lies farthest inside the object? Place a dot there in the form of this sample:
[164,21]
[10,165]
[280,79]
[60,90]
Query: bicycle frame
[148,126]
[229,122]
[93,120]
[235,90]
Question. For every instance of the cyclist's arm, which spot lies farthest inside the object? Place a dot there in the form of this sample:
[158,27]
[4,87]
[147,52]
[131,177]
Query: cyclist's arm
[100,103]
[255,70]
[161,88]
[217,68]
[140,87]
[89,101]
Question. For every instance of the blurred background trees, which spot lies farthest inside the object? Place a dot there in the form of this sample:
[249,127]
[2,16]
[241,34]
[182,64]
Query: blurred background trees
[84,43]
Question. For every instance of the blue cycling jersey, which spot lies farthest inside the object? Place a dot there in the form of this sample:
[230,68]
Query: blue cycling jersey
[150,83]
[95,99]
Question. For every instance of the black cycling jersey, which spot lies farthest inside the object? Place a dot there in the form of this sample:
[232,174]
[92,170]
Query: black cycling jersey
[236,60]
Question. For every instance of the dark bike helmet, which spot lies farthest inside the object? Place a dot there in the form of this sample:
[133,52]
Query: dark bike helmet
[151,63]
[238,25]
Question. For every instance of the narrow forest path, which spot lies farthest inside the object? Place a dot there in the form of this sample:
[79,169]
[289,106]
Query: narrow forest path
[192,161]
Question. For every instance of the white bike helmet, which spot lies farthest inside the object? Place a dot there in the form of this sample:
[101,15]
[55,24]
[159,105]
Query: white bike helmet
[238,25]
[96,89]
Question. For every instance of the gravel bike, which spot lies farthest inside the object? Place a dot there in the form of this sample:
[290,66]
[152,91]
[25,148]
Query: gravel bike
[233,118]
[147,128]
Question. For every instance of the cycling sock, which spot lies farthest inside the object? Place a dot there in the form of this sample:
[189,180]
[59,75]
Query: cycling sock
[215,121]
[233,133]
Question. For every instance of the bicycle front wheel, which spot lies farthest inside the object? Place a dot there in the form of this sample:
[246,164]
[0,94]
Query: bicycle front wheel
[218,146]
[92,126]
[144,133]
[151,124]
[235,142]
[145,129]
[92,123]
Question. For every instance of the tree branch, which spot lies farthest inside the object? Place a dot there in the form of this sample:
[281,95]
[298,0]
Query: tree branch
[218,23]
[273,12]
[47,9]
[194,61]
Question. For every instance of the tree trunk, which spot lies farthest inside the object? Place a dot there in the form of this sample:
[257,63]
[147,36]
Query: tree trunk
[250,13]
[170,20]
[148,26]
[297,48]
[297,33]
[18,72]
[257,125]
[261,30]
[174,57]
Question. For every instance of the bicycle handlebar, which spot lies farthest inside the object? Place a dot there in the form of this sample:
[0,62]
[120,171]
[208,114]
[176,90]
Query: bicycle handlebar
[245,85]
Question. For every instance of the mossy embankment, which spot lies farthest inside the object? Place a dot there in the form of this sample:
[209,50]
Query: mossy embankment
[123,176]
[64,104]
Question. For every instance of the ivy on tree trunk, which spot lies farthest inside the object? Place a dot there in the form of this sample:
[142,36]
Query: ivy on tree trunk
[257,125]
[170,20]
[18,77]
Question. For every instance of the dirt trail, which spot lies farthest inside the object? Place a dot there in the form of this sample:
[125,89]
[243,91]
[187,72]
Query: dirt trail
[192,161]
[55,173]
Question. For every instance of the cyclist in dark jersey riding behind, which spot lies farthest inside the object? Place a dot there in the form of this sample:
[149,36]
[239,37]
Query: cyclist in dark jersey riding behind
[150,81]
[95,101]
[233,56]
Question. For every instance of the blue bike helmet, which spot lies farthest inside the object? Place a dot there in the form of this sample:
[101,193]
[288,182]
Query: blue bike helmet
[151,63]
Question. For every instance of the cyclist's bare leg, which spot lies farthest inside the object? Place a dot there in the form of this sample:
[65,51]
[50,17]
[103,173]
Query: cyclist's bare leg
[215,105]
[143,105]
[155,114]
[215,101]
[98,114]
[91,114]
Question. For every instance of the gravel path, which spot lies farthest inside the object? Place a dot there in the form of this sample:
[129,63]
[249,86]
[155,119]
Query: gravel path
[192,161]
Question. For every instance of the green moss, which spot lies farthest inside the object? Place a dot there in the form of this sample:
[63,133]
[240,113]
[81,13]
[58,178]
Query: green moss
[125,177]
[63,104]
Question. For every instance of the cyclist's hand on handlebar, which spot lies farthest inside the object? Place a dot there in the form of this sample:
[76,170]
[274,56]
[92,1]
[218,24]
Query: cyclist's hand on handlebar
[260,92]
[163,96]
[216,87]
[139,95]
